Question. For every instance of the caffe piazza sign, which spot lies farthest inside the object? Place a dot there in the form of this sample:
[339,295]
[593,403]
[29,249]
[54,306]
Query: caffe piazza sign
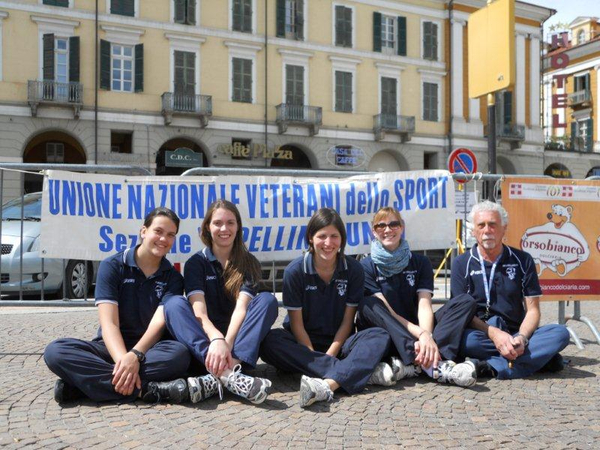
[239,150]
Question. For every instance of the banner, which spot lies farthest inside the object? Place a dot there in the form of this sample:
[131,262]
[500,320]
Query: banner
[90,216]
[557,222]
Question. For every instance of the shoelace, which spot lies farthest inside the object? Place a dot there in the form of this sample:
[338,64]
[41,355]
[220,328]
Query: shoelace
[238,383]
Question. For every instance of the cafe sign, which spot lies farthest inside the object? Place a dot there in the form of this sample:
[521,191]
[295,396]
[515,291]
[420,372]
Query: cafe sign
[346,156]
[241,151]
[183,157]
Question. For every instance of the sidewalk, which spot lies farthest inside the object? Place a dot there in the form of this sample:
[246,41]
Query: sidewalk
[545,411]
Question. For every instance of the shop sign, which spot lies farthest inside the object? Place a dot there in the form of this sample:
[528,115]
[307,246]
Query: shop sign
[346,156]
[183,157]
[556,172]
[241,151]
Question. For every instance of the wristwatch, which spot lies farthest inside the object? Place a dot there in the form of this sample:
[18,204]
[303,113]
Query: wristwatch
[140,356]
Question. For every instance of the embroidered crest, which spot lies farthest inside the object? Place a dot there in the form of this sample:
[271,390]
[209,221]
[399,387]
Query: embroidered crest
[511,272]
[342,285]
[410,277]
[159,289]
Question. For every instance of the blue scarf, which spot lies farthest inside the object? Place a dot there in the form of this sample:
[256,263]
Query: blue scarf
[390,263]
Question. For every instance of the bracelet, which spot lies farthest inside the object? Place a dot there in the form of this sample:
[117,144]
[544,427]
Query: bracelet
[217,339]
[525,340]
[421,333]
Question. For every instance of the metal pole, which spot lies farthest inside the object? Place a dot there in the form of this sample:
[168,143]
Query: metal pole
[491,114]
[96,90]
[266,78]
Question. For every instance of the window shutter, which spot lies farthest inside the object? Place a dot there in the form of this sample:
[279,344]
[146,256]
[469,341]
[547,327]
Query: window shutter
[338,91]
[247,16]
[376,32]
[299,20]
[434,43]
[573,134]
[128,7]
[180,11]
[48,68]
[236,15]
[589,141]
[74,59]
[139,68]
[190,68]
[64,3]
[105,65]
[178,75]
[507,108]
[236,81]
[339,31]
[402,36]
[191,12]
[427,40]
[348,28]
[587,82]
[248,80]
[280,18]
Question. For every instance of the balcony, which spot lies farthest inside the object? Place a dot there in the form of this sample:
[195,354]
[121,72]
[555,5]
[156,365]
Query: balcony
[391,123]
[513,134]
[54,93]
[186,105]
[580,98]
[302,115]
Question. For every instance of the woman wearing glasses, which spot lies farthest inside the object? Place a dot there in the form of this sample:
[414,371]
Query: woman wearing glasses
[398,291]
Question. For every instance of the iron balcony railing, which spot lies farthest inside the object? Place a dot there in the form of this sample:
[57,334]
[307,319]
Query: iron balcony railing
[310,115]
[579,97]
[392,122]
[174,103]
[53,92]
[511,131]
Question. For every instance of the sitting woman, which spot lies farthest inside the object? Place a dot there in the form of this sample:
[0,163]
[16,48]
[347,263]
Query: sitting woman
[398,291]
[321,291]
[128,359]
[223,320]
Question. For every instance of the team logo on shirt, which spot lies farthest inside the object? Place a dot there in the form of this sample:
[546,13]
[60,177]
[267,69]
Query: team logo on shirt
[310,288]
[341,287]
[475,272]
[159,288]
[410,277]
[511,272]
[211,277]
[128,280]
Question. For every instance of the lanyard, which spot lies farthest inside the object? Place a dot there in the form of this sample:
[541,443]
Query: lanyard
[487,286]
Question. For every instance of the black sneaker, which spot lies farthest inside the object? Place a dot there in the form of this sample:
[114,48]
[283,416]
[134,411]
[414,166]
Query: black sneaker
[64,392]
[166,391]
[556,364]
[483,369]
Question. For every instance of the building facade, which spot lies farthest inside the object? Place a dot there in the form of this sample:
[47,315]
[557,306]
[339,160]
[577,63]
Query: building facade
[572,92]
[362,85]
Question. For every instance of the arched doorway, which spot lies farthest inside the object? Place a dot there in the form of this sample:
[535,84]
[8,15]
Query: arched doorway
[386,161]
[54,147]
[504,166]
[298,160]
[558,170]
[166,166]
[594,172]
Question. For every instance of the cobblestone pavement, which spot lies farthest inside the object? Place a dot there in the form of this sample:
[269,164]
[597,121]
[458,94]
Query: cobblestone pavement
[544,411]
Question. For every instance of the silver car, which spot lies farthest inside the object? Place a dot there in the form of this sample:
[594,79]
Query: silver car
[22,216]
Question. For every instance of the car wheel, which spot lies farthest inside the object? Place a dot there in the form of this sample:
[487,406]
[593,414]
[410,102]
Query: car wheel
[77,279]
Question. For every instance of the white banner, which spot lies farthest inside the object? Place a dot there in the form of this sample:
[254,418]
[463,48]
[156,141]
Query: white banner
[90,216]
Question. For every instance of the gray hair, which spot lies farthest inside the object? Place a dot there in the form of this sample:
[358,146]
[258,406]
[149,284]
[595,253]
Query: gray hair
[486,205]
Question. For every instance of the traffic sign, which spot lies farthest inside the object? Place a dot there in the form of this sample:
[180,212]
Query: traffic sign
[462,160]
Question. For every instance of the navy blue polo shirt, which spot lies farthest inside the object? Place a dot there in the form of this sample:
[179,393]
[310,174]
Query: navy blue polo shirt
[323,305]
[121,282]
[203,274]
[514,279]
[401,290]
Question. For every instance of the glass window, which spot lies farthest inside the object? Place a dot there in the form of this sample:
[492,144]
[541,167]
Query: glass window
[122,68]
[61,60]
[343,91]
[388,33]
[242,15]
[430,102]
[343,26]
[294,85]
[242,80]
[430,41]
[290,16]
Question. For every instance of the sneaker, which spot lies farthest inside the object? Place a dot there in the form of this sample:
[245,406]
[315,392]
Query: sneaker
[204,387]
[252,388]
[64,392]
[314,390]
[383,375]
[463,374]
[483,368]
[167,391]
[402,371]
[556,364]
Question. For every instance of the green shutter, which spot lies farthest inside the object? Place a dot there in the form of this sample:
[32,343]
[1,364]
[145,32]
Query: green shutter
[105,65]
[139,68]
[348,30]
[74,59]
[376,32]
[48,68]
[402,36]
[64,3]
[299,20]
[247,16]
[180,11]
[434,42]
[573,134]
[427,40]
[178,75]
[248,80]
[280,12]
[191,12]
[589,139]
[507,108]
[339,32]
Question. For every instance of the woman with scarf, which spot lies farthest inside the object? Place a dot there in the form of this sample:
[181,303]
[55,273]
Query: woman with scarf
[398,292]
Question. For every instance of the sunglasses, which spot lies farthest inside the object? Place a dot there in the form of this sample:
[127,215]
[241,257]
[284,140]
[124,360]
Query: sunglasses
[392,225]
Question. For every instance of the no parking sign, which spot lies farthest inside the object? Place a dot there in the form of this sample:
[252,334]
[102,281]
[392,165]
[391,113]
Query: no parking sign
[462,160]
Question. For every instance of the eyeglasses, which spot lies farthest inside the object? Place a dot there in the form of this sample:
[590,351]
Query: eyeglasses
[392,225]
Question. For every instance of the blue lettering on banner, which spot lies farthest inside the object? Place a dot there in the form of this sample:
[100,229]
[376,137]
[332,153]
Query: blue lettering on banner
[120,242]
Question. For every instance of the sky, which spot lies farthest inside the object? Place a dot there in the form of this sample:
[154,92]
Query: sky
[568,10]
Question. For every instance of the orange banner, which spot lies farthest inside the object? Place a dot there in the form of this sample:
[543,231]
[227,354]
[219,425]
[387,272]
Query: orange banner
[558,223]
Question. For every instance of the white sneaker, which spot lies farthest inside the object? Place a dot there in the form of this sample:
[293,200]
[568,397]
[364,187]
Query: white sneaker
[204,387]
[314,390]
[402,371]
[252,388]
[383,375]
[463,374]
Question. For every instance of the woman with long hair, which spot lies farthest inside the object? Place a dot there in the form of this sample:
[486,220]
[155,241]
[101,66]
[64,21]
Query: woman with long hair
[128,359]
[224,319]
[398,292]
[321,291]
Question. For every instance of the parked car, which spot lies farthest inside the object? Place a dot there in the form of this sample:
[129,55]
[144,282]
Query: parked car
[55,271]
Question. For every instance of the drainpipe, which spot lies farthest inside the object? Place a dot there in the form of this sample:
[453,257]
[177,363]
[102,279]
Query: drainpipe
[450,62]
[96,88]
[266,78]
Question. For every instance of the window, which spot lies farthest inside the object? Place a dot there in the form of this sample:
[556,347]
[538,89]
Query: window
[581,37]
[582,132]
[184,12]
[294,85]
[430,101]
[122,68]
[242,80]
[343,91]
[242,15]
[343,26]
[504,101]
[185,73]
[430,161]
[389,34]
[582,82]
[55,152]
[63,3]
[389,103]
[61,60]
[290,19]
[122,7]
[430,41]
[120,141]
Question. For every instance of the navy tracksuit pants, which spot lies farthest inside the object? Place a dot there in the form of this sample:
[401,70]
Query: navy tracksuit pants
[88,366]
[449,323]
[260,316]
[545,342]
[351,369]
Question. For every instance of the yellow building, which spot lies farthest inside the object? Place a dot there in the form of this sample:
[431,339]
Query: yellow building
[340,84]
[572,93]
